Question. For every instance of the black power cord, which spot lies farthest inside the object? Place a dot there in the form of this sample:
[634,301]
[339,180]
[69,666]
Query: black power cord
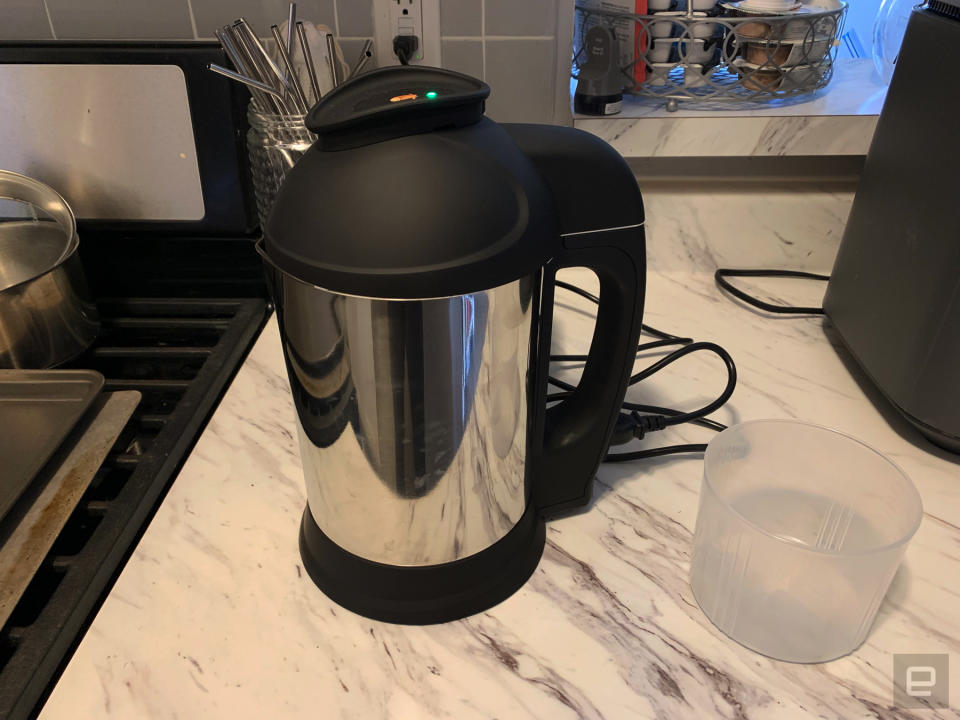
[596,301]
[723,273]
[655,452]
[631,424]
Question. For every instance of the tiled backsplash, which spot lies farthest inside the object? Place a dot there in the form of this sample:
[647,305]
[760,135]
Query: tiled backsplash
[520,47]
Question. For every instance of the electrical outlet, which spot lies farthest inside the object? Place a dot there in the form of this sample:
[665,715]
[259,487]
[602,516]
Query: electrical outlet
[407,17]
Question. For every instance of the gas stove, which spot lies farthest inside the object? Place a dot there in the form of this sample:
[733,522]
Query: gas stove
[180,292]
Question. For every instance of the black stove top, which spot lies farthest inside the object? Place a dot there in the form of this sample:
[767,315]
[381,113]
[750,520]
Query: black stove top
[180,354]
[181,302]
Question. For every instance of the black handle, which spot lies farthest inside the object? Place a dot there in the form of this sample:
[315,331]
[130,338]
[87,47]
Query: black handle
[577,430]
[600,214]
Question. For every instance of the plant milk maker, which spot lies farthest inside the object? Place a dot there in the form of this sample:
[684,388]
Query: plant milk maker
[411,254]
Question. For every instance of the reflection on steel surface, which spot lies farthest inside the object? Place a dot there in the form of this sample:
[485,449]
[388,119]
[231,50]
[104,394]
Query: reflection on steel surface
[412,416]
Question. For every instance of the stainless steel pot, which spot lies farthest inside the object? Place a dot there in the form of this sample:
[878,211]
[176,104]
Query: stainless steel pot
[46,315]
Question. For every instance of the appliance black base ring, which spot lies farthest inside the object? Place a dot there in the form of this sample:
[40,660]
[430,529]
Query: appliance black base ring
[423,595]
[944,440]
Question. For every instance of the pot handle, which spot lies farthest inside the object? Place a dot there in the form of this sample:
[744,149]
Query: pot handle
[577,430]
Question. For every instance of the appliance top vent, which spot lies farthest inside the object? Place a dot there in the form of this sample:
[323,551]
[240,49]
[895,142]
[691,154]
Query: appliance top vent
[947,8]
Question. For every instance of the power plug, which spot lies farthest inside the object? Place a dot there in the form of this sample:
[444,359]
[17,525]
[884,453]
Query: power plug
[405,48]
[407,30]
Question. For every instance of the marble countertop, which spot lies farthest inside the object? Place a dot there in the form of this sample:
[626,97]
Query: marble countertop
[214,617]
[838,120]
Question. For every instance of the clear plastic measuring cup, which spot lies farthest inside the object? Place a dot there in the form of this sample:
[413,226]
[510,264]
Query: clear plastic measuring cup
[799,533]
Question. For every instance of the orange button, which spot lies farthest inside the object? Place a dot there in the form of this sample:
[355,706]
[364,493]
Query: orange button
[399,98]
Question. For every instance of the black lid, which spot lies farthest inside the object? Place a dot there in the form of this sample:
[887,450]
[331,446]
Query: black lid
[419,197]
[396,101]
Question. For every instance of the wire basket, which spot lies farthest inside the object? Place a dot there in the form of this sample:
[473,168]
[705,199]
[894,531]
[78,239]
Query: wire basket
[720,55]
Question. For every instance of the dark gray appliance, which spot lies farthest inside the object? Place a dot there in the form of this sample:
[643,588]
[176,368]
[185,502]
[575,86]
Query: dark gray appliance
[894,294]
[412,253]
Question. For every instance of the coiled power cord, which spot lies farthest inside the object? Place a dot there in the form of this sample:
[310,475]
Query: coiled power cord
[637,420]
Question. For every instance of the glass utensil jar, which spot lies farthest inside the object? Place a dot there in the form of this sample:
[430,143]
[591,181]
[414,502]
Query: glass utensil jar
[274,144]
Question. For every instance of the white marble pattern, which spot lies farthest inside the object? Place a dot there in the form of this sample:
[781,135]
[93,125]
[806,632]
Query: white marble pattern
[699,226]
[839,121]
[214,617]
[735,136]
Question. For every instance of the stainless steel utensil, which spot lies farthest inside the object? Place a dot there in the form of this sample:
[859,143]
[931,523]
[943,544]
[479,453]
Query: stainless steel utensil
[332,59]
[240,64]
[298,94]
[291,23]
[276,91]
[308,60]
[46,316]
[267,71]
[252,67]
[249,82]
[271,72]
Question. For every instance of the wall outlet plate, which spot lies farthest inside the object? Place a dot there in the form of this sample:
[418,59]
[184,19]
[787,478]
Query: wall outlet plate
[407,17]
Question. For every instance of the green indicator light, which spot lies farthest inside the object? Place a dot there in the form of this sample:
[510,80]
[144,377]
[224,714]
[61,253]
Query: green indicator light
[430,95]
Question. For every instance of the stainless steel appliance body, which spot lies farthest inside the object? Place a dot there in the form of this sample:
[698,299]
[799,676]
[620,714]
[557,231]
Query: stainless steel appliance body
[413,416]
[46,315]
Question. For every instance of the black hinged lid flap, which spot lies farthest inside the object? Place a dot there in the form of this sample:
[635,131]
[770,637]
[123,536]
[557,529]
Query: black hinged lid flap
[393,102]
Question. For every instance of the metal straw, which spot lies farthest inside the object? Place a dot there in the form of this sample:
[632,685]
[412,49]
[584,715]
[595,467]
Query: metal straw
[291,22]
[332,59]
[258,68]
[362,60]
[260,99]
[274,91]
[268,68]
[248,81]
[301,98]
[233,44]
[230,49]
[308,59]
[273,104]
